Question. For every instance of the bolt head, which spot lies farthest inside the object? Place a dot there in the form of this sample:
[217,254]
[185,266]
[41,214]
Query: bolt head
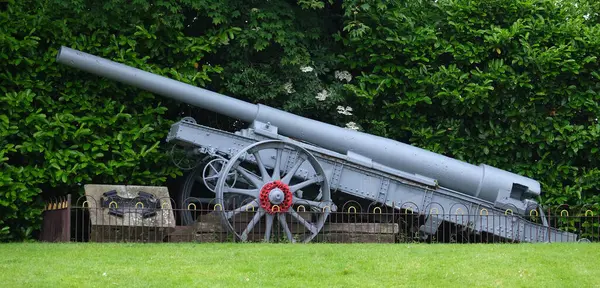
[276,196]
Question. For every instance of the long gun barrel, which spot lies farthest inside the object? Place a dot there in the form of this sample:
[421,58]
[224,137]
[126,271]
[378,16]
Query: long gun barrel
[481,181]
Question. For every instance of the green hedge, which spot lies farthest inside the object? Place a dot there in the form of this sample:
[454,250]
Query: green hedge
[510,83]
[61,128]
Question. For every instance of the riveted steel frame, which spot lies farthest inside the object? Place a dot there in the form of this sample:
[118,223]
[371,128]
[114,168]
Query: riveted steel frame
[358,177]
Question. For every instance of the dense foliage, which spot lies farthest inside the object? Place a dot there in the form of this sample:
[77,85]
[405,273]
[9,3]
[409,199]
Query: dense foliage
[510,83]
[61,129]
[513,84]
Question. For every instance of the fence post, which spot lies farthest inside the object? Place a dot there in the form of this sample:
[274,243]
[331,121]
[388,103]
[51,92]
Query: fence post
[56,221]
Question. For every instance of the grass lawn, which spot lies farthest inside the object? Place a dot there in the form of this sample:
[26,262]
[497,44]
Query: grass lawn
[299,265]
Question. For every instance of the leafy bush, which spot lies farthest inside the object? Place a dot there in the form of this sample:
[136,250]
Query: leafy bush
[61,128]
[510,83]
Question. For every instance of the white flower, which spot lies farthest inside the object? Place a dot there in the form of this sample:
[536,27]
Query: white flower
[352,126]
[321,96]
[345,111]
[306,69]
[343,75]
[289,87]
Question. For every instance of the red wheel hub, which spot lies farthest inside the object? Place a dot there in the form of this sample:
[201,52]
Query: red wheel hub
[265,201]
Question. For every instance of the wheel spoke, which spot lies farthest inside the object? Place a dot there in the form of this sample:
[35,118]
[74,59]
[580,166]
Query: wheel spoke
[250,176]
[212,167]
[179,162]
[312,228]
[254,205]
[250,226]
[212,177]
[261,167]
[269,218]
[247,192]
[276,170]
[285,227]
[288,177]
[301,185]
[261,177]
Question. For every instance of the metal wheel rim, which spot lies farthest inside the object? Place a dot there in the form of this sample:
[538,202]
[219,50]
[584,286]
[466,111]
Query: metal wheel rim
[211,166]
[191,206]
[324,204]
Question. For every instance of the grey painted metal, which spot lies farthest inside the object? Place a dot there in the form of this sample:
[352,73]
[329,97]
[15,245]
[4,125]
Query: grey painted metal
[280,152]
[481,181]
[383,171]
[157,84]
[380,187]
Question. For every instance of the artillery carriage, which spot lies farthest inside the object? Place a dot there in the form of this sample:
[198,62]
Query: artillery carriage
[284,163]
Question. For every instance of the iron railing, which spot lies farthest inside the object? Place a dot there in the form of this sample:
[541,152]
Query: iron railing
[56,220]
[97,221]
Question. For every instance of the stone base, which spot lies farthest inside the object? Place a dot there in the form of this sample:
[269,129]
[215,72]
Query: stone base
[120,213]
[355,238]
[211,230]
[128,234]
[129,214]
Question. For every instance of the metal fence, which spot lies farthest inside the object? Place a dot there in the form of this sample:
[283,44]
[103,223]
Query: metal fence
[56,220]
[202,220]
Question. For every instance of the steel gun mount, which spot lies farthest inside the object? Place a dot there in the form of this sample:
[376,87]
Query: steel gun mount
[283,161]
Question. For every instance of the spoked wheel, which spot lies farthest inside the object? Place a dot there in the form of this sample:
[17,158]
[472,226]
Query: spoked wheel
[185,157]
[197,193]
[212,171]
[278,190]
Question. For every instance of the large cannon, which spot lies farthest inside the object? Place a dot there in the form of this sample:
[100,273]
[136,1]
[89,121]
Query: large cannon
[283,161]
